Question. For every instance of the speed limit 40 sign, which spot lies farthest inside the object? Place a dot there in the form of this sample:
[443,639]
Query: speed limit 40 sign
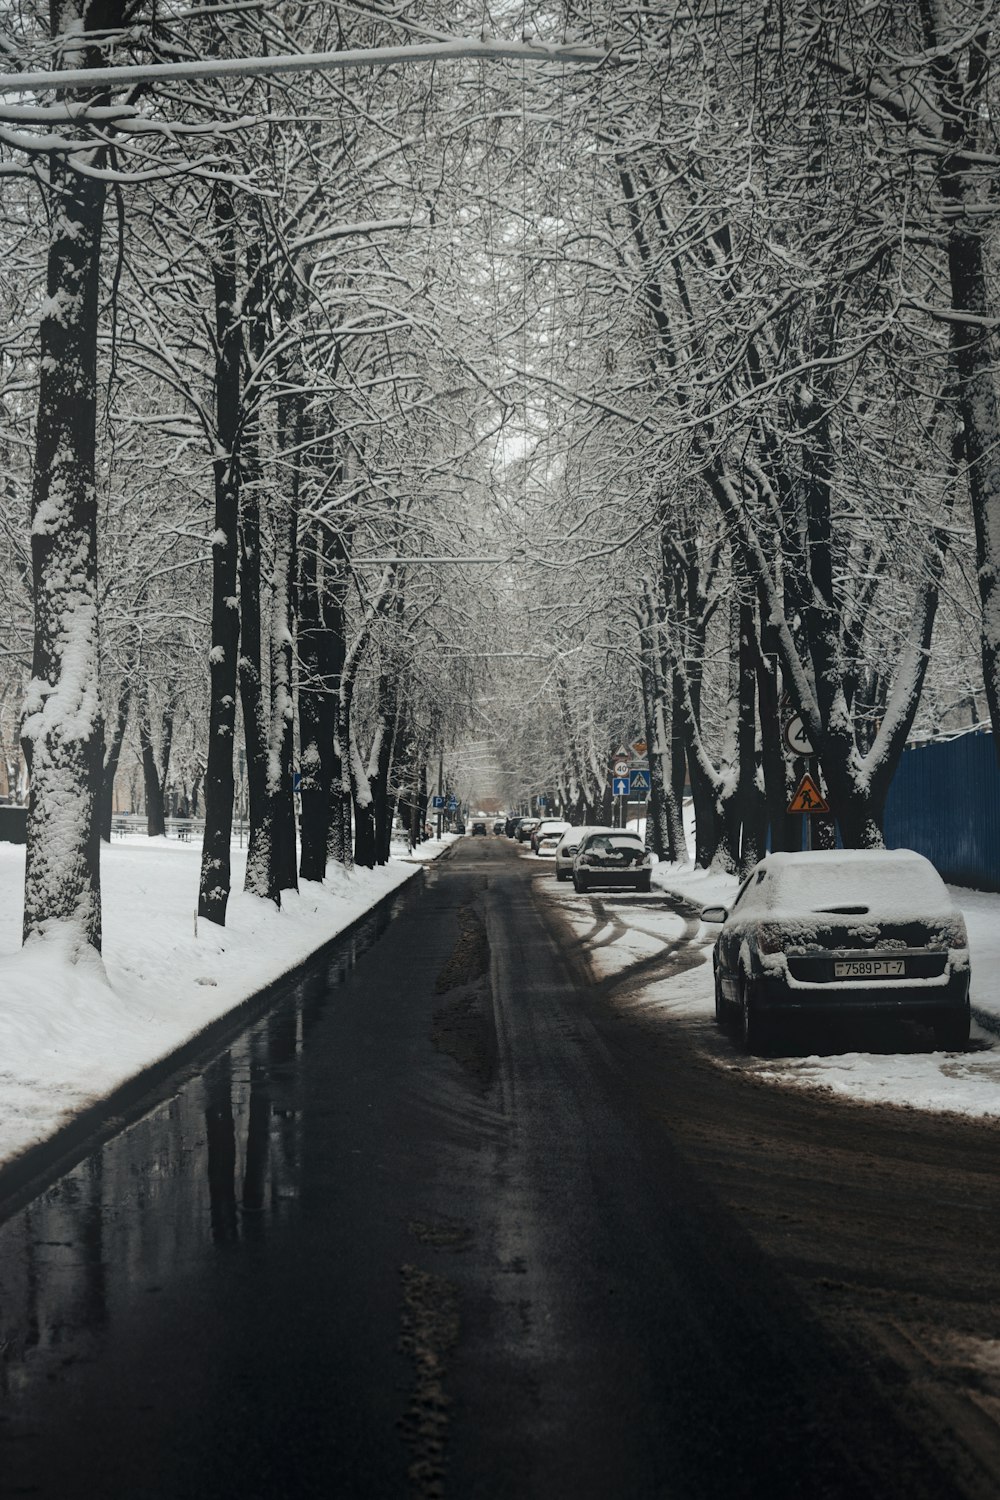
[796,736]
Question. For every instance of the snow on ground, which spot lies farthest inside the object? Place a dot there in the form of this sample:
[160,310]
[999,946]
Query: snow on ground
[70,1035]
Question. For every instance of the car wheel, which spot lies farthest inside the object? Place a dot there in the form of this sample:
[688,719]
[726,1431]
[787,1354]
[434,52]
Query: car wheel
[560,874]
[580,884]
[753,1030]
[951,1031]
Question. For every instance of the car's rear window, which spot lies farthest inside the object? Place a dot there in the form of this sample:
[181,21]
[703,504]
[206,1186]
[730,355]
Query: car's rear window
[879,885]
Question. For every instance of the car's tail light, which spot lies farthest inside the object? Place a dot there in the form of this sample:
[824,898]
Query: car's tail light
[771,939]
[953,933]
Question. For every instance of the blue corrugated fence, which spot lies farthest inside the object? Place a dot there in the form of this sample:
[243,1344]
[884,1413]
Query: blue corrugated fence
[945,802]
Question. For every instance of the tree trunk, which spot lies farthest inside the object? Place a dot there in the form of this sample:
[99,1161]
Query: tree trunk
[314,791]
[112,755]
[333,655]
[282,734]
[261,876]
[213,895]
[965,118]
[62,727]
[152,785]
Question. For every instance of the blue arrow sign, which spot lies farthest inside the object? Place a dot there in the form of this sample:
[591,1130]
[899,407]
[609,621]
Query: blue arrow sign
[621,786]
[437,803]
[640,782]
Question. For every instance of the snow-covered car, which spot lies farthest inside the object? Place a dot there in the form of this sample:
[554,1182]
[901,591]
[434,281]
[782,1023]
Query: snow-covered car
[568,845]
[612,858]
[842,932]
[546,846]
[525,828]
[547,825]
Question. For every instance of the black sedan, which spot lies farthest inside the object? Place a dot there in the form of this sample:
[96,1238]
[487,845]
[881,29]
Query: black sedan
[842,933]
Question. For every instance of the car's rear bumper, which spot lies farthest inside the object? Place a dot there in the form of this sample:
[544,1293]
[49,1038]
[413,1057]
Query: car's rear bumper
[885,998]
[614,877]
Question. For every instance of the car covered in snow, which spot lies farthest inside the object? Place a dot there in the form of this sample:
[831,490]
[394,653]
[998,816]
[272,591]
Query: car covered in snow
[615,857]
[570,843]
[842,933]
[525,828]
[547,844]
[546,826]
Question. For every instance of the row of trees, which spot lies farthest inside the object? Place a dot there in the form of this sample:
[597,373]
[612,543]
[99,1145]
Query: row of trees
[250,420]
[546,403]
[776,279]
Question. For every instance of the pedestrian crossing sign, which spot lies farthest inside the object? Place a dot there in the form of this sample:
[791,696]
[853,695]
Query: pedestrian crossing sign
[808,798]
[640,782]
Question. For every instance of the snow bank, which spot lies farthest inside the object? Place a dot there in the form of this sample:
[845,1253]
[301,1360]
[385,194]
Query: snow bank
[71,1034]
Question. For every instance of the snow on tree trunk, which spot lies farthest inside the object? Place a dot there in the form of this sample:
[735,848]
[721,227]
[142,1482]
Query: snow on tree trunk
[261,876]
[213,896]
[62,727]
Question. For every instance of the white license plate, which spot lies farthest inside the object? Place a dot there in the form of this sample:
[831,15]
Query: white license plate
[869,968]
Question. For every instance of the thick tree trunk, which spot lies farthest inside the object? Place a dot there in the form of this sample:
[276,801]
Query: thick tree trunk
[62,727]
[216,878]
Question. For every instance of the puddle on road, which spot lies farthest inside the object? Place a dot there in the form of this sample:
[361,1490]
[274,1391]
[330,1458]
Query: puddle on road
[215,1166]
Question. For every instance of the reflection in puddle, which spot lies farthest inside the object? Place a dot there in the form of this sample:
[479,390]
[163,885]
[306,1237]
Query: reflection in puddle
[215,1167]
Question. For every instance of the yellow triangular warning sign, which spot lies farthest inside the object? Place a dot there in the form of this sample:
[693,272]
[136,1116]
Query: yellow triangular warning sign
[808,798]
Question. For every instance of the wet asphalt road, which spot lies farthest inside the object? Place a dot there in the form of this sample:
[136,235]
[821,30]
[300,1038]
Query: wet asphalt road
[434,1227]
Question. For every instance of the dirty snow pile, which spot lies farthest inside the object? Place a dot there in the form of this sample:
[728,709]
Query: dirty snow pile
[70,1034]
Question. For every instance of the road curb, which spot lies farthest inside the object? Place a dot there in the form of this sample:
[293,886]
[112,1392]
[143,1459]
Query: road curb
[26,1174]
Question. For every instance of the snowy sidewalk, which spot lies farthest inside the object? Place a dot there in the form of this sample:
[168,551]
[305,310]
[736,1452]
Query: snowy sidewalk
[71,1035]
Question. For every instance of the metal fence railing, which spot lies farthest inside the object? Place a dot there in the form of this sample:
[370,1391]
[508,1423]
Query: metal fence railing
[945,802]
[125,824]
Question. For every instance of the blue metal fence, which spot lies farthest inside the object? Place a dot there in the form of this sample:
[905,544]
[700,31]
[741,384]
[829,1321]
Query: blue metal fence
[945,802]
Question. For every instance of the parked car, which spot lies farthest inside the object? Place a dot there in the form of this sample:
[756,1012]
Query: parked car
[478,827]
[846,933]
[546,846]
[568,845]
[525,828]
[510,827]
[547,825]
[613,858]
[498,825]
